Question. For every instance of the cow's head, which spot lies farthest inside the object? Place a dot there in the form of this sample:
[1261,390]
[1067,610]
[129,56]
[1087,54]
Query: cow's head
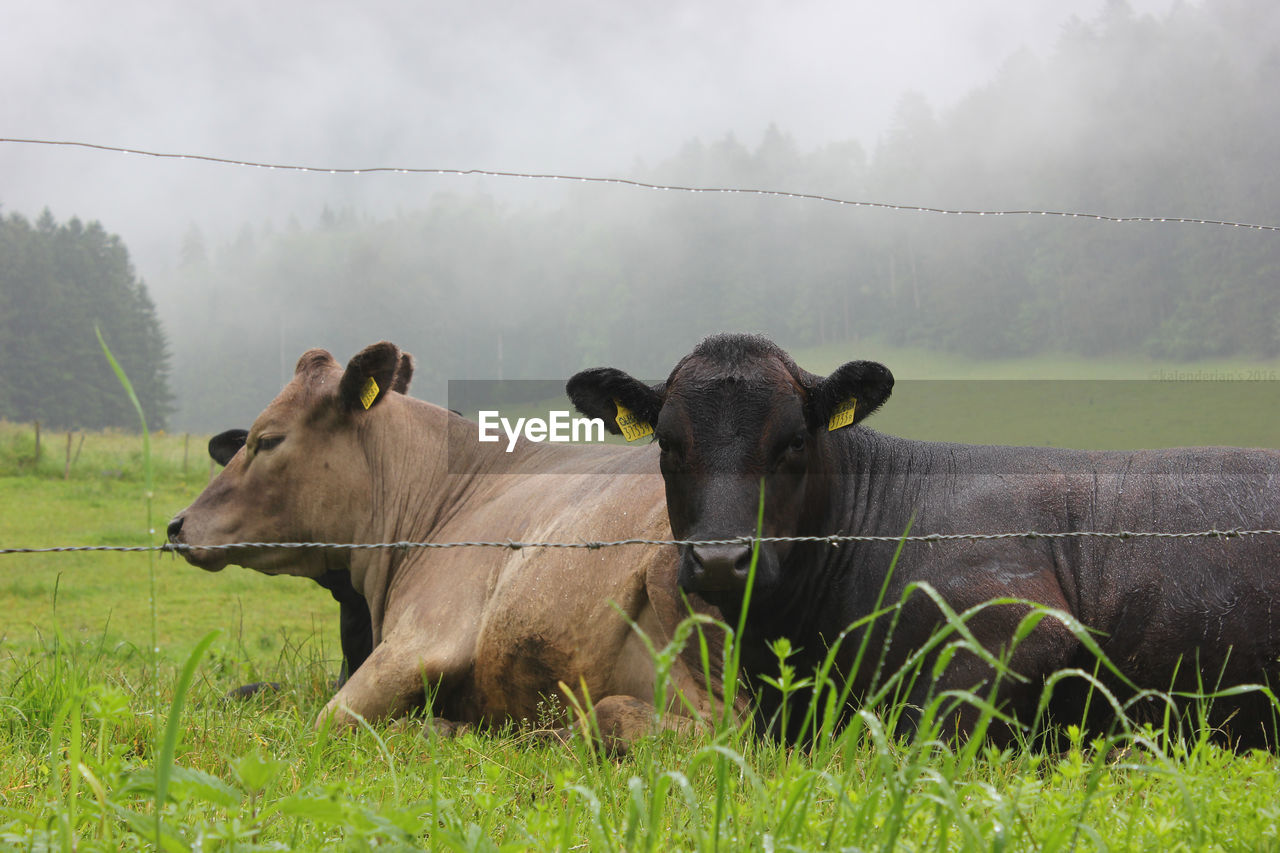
[734,414]
[301,473]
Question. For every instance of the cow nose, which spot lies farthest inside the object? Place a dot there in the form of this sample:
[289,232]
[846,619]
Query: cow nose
[175,529]
[723,566]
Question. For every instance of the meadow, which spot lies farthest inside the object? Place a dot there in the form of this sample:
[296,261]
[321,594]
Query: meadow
[113,667]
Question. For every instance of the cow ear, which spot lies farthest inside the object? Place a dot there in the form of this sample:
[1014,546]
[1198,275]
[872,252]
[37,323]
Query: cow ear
[404,374]
[227,444]
[617,399]
[369,376]
[847,396]
[314,359]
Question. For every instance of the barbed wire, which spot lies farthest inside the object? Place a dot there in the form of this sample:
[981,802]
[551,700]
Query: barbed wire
[833,540]
[630,182]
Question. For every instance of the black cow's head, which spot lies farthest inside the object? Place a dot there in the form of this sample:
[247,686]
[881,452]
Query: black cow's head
[734,416]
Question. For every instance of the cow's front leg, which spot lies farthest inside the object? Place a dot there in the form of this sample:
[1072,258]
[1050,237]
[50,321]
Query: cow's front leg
[624,719]
[619,721]
[388,685]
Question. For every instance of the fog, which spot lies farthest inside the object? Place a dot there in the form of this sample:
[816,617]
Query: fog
[573,87]
[937,104]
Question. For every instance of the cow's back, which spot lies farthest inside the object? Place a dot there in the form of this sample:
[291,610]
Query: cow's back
[1183,612]
[1209,597]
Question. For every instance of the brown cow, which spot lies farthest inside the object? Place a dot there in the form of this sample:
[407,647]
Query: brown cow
[343,456]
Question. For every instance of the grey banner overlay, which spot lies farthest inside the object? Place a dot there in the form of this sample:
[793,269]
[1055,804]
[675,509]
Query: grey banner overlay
[1192,408]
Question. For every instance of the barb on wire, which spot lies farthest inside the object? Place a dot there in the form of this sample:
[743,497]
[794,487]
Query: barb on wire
[495,173]
[834,540]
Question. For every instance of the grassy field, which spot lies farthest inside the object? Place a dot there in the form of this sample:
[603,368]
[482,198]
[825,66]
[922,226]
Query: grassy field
[107,596]
[96,650]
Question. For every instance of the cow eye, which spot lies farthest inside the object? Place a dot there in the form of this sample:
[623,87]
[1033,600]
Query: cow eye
[671,449]
[797,443]
[269,442]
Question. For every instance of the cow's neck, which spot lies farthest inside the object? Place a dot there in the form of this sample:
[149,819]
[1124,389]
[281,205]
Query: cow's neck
[871,484]
[429,467]
[862,483]
[878,481]
[425,467]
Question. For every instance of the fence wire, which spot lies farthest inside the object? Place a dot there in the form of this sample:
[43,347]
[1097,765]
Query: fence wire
[834,540]
[629,182]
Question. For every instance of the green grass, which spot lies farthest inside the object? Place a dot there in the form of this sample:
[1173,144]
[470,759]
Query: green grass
[102,455]
[83,710]
[106,596]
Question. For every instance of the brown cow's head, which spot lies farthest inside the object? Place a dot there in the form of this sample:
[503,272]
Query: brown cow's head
[300,474]
[735,413]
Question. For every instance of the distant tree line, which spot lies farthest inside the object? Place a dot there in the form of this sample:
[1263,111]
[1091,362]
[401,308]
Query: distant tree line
[57,281]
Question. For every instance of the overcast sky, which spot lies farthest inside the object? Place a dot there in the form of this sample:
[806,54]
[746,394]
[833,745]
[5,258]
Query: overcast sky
[567,86]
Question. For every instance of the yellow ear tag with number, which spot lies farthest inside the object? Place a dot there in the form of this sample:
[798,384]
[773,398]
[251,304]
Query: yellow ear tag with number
[842,415]
[369,392]
[631,426]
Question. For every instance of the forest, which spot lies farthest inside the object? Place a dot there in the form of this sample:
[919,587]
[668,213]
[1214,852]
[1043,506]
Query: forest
[1128,116]
[58,283]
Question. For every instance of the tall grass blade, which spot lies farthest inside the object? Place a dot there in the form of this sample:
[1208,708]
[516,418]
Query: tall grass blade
[149,495]
[164,760]
[142,417]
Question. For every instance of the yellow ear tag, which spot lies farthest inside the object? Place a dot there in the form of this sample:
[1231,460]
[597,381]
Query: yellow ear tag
[369,392]
[632,428]
[842,415]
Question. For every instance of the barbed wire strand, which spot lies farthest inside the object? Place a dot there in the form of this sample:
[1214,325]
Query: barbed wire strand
[834,540]
[630,182]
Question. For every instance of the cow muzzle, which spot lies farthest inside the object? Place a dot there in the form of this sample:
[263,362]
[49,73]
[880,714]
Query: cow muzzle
[211,560]
[715,568]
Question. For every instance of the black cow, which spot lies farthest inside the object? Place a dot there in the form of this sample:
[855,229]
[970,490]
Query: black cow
[1187,614]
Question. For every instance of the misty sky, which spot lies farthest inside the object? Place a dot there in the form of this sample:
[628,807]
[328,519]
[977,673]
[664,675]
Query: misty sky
[567,85]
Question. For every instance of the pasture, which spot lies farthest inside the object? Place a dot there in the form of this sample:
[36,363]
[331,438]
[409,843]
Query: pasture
[96,651]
